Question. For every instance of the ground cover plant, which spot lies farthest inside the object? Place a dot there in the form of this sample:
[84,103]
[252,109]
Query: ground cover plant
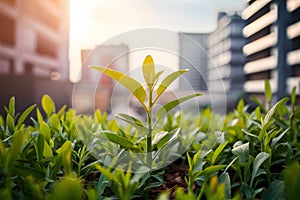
[254,154]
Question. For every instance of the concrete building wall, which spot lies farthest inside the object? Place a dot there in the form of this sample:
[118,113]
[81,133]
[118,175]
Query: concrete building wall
[226,56]
[193,56]
[34,43]
[95,90]
[272,49]
[34,38]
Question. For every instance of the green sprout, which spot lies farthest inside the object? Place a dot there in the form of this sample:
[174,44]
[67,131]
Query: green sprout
[147,97]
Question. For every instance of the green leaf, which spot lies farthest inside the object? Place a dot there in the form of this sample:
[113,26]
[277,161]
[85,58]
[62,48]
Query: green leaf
[240,106]
[152,185]
[10,123]
[61,110]
[149,71]
[169,137]
[14,150]
[157,75]
[2,153]
[45,130]
[24,115]
[246,190]
[218,152]
[170,105]
[292,181]
[39,115]
[122,141]
[132,121]
[129,83]
[275,191]
[6,194]
[250,134]
[98,116]
[11,107]
[242,151]
[164,196]
[209,170]
[258,161]
[293,96]
[47,150]
[229,165]
[102,184]
[197,163]
[67,188]
[224,178]
[35,188]
[158,137]
[65,151]
[40,146]
[48,105]
[54,120]
[272,111]
[268,91]
[276,139]
[167,81]
[106,173]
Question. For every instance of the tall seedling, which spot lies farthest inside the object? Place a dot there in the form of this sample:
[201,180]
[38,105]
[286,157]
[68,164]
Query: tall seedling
[147,96]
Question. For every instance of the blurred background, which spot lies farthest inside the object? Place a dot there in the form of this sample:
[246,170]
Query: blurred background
[46,46]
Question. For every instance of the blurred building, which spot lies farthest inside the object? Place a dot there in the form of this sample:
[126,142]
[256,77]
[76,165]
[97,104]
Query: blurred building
[225,68]
[95,87]
[193,56]
[273,46]
[34,37]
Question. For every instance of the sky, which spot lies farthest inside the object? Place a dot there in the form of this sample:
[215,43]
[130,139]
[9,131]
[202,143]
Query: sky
[94,22]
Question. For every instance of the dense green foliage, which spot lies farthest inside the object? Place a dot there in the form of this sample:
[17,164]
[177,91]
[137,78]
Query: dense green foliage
[253,154]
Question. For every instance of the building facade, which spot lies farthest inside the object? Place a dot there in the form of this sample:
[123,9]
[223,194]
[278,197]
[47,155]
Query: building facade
[226,58]
[193,56]
[96,90]
[273,46]
[34,42]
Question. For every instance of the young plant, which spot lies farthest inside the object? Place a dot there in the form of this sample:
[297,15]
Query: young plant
[147,97]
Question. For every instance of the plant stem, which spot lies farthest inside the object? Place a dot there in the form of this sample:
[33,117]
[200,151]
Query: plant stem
[202,188]
[149,135]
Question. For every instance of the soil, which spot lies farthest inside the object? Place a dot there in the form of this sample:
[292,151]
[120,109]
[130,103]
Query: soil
[174,178]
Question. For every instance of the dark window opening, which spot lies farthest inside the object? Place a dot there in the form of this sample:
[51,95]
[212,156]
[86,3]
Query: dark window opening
[263,32]
[28,68]
[259,13]
[259,75]
[7,34]
[46,47]
[38,11]
[294,16]
[296,70]
[259,55]
[295,43]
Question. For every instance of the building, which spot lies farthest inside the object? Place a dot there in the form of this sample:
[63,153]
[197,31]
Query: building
[193,56]
[95,90]
[226,58]
[34,38]
[273,46]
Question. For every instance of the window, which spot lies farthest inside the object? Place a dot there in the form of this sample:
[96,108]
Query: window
[7,34]
[46,47]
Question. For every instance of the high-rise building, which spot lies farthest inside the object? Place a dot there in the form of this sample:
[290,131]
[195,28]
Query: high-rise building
[193,56]
[226,58]
[95,90]
[34,42]
[273,46]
